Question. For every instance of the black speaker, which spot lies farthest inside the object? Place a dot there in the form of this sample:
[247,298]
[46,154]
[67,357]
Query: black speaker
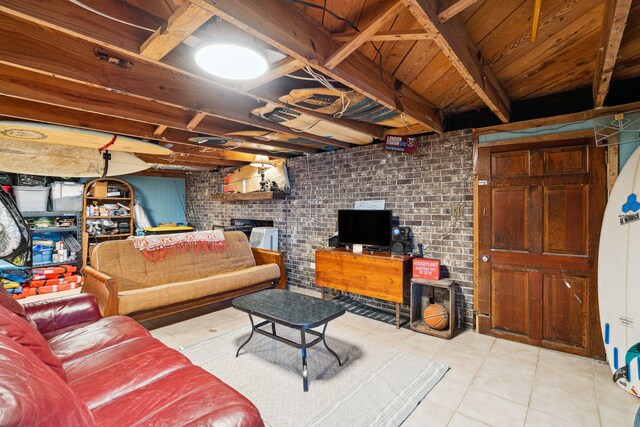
[401,240]
[333,241]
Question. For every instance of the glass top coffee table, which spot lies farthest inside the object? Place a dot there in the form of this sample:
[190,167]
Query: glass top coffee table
[293,310]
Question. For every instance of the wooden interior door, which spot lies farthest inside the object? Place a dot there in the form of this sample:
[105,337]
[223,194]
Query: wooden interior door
[540,208]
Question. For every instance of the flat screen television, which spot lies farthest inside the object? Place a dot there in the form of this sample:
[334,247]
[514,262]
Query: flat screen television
[365,227]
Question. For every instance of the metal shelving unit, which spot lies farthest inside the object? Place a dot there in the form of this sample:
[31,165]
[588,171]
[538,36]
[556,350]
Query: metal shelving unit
[76,230]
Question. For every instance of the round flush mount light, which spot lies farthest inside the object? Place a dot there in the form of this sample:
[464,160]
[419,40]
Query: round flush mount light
[231,61]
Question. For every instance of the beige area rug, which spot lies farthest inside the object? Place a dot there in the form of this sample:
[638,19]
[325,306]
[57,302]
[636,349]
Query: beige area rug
[376,385]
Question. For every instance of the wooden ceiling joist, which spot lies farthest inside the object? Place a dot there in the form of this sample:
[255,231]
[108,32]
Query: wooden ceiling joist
[386,36]
[455,8]
[180,25]
[613,25]
[455,42]
[31,47]
[372,24]
[29,110]
[159,130]
[535,19]
[291,31]
[195,121]
[63,16]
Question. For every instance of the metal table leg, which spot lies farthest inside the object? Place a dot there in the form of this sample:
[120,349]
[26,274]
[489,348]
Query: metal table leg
[303,347]
[273,328]
[253,328]
[327,346]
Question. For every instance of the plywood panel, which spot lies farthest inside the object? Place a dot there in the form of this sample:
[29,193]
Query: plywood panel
[510,301]
[565,309]
[566,220]
[510,218]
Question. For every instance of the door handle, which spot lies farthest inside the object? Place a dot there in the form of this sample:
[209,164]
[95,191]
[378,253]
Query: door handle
[484,258]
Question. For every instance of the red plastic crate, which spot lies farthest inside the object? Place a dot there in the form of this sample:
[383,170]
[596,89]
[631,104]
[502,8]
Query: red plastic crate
[425,268]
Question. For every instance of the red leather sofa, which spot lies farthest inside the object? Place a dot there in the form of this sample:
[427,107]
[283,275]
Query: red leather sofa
[63,364]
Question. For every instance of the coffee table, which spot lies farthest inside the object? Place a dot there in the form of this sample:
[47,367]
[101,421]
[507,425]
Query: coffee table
[296,311]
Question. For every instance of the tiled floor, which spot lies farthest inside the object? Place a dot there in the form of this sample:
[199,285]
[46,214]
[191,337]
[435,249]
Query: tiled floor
[491,382]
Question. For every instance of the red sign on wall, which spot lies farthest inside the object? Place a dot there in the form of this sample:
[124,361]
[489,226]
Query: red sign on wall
[424,268]
[401,144]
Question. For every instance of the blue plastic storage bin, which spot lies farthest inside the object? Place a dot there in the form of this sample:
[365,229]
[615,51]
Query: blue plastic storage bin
[42,255]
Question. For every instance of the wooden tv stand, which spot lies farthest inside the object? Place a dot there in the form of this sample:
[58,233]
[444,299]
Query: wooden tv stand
[380,275]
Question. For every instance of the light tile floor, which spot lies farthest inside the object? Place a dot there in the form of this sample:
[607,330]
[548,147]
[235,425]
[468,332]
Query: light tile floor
[491,381]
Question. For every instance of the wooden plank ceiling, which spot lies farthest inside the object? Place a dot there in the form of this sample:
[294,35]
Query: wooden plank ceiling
[127,67]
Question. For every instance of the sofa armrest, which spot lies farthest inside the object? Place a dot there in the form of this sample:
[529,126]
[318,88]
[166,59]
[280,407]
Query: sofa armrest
[57,313]
[104,288]
[265,256]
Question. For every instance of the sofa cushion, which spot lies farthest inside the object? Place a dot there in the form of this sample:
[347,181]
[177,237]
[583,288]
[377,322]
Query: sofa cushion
[80,340]
[135,300]
[32,395]
[121,260]
[122,369]
[18,329]
[187,396]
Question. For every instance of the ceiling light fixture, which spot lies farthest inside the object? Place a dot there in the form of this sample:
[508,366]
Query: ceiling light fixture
[232,61]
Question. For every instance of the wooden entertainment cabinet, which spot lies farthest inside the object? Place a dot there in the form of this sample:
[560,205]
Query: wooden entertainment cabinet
[380,275]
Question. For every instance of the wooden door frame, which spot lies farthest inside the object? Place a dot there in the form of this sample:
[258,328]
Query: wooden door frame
[595,346]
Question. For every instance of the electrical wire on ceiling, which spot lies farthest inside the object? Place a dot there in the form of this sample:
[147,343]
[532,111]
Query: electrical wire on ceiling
[97,12]
[352,25]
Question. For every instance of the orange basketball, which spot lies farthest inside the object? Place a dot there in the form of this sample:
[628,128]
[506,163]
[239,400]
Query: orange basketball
[436,316]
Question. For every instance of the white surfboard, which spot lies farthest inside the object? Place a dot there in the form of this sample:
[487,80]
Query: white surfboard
[619,277]
[39,158]
[63,135]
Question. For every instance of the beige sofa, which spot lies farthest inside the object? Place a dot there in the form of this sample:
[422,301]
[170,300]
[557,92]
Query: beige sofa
[125,282]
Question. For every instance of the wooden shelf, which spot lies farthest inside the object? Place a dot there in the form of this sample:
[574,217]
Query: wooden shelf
[247,197]
[105,236]
[108,216]
[55,229]
[108,198]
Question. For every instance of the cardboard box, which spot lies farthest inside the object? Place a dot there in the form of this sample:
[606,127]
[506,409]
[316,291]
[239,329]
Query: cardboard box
[425,268]
[100,189]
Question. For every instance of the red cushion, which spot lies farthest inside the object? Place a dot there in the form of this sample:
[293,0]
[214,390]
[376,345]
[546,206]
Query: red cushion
[187,396]
[122,369]
[32,395]
[17,328]
[77,341]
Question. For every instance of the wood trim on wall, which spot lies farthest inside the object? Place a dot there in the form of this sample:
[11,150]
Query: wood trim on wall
[541,138]
[565,118]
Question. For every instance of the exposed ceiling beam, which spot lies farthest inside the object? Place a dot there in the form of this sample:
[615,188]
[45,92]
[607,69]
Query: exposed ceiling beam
[455,42]
[386,36]
[535,19]
[455,8]
[279,69]
[63,16]
[33,111]
[29,46]
[177,159]
[195,121]
[53,104]
[372,23]
[159,130]
[180,25]
[293,32]
[613,24]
